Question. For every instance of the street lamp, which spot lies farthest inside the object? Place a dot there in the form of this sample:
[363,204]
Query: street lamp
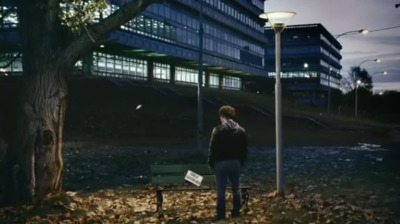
[375,73]
[278,21]
[362,31]
[356,103]
[376,60]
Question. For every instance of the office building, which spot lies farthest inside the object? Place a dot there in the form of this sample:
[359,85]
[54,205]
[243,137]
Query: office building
[310,58]
[162,44]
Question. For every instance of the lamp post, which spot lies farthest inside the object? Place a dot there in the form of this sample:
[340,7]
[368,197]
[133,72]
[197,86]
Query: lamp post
[305,66]
[278,21]
[375,73]
[358,82]
[200,111]
[362,31]
[356,104]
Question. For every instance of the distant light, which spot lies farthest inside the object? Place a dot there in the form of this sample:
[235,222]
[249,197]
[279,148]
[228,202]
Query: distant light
[102,46]
[378,60]
[381,93]
[385,73]
[3,70]
[258,92]
[307,76]
[364,31]
[358,82]
[138,106]
[305,65]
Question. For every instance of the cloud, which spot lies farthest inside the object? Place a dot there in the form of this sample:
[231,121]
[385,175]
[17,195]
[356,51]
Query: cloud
[348,15]
[378,86]
[384,40]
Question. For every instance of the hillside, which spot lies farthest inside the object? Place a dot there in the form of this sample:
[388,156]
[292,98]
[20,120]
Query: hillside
[116,112]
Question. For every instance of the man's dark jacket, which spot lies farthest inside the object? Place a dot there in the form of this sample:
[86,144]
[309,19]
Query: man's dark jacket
[228,142]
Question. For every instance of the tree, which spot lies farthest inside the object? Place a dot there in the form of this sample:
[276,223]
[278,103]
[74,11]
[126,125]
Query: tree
[348,84]
[49,51]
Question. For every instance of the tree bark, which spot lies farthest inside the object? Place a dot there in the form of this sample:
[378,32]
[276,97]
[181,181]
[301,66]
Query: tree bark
[34,155]
[34,161]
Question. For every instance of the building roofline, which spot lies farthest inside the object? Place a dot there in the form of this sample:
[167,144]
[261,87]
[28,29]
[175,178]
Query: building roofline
[316,26]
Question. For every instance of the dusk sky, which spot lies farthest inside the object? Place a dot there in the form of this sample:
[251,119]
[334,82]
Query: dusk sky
[340,16]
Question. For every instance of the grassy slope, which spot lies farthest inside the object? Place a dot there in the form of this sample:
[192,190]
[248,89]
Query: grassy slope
[99,111]
[331,186]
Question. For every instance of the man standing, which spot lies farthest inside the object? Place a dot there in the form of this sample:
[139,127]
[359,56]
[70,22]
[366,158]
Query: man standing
[227,154]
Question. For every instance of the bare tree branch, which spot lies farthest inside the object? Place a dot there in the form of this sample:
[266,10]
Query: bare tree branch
[88,33]
[7,12]
[11,61]
[96,32]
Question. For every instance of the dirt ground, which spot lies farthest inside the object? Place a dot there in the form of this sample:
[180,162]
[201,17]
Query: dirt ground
[109,184]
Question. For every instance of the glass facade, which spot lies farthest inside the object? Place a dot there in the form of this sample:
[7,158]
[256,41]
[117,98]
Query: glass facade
[296,74]
[236,13]
[229,82]
[10,20]
[213,80]
[187,76]
[176,25]
[313,44]
[119,66]
[14,61]
[161,72]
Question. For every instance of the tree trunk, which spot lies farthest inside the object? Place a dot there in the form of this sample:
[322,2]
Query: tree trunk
[34,156]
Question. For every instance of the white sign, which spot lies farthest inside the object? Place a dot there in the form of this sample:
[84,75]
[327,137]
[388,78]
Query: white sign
[193,178]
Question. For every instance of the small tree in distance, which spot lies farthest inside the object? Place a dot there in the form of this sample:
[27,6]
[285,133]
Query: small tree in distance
[54,35]
[348,84]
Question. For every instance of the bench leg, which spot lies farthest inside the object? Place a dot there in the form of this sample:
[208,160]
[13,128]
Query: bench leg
[245,199]
[159,197]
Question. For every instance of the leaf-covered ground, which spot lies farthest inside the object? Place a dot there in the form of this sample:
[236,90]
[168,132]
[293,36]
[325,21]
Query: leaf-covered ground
[323,185]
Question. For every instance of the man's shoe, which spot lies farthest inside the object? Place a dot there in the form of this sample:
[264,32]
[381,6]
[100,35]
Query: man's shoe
[235,214]
[217,219]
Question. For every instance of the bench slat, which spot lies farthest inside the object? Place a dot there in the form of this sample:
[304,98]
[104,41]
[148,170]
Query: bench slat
[180,168]
[207,179]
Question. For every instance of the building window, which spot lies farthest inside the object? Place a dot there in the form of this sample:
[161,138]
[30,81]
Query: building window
[161,72]
[151,27]
[187,76]
[230,82]
[15,68]
[119,66]
[11,19]
[213,80]
[295,74]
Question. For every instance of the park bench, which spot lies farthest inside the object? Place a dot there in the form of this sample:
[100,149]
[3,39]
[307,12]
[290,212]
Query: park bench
[172,178]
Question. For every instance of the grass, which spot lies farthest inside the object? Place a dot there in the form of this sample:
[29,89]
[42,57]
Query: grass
[101,112]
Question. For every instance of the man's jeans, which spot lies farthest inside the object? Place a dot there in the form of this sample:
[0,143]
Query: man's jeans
[223,170]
